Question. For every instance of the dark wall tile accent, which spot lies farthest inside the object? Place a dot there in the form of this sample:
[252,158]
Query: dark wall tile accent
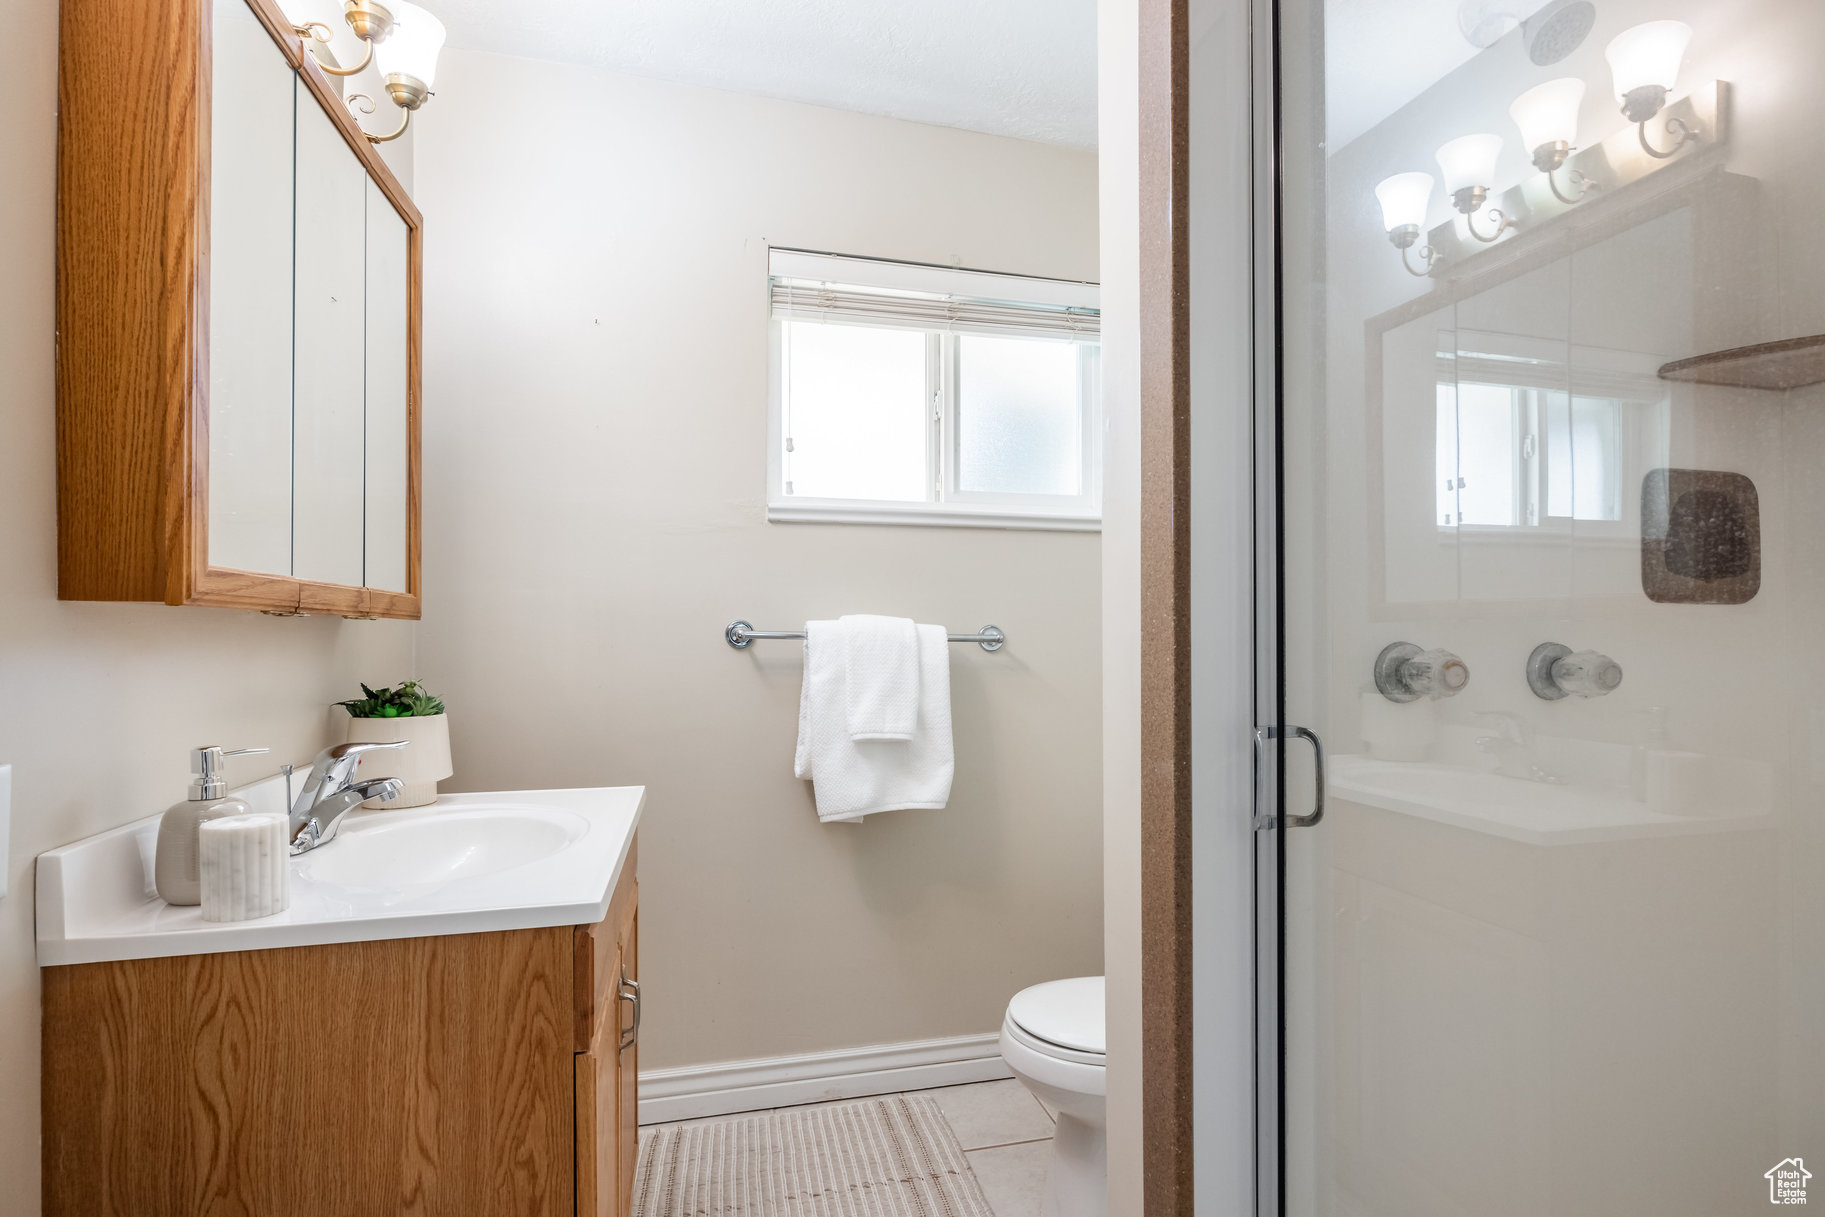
[1701,537]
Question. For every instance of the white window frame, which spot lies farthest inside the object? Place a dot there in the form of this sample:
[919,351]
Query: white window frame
[948,506]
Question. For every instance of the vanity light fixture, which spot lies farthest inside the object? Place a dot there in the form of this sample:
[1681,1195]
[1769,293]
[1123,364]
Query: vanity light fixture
[1468,163]
[1405,198]
[1548,118]
[407,59]
[1644,62]
[371,22]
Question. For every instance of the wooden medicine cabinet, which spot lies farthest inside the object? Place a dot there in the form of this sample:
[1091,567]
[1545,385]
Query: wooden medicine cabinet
[238,311]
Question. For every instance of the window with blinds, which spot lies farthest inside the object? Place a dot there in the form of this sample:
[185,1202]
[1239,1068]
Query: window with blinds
[912,394]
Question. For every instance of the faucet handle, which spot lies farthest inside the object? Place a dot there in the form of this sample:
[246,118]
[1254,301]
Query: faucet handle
[337,752]
[1555,671]
[1405,673]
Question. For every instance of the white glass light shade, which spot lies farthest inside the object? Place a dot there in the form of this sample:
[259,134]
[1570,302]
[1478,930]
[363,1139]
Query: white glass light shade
[1548,113]
[1647,55]
[412,48]
[1404,199]
[1469,160]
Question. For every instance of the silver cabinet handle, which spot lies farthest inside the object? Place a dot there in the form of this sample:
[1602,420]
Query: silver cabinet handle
[629,991]
[1311,737]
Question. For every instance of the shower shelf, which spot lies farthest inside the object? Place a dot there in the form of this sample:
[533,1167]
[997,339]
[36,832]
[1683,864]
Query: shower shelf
[1791,363]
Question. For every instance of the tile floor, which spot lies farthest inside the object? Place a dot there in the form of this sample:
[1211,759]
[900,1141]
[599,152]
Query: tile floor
[1005,1134]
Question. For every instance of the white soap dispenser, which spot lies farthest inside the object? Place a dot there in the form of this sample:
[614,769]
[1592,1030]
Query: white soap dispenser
[175,869]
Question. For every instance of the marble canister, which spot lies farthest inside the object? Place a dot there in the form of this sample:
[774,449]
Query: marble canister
[245,865]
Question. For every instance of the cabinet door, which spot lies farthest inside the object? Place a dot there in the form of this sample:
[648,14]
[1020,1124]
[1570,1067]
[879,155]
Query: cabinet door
[599,1134]
[253,96]
[328,488]
[389,255]
[628,1074]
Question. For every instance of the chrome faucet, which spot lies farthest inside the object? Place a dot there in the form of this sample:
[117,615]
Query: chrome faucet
[331,793]
[1511,749]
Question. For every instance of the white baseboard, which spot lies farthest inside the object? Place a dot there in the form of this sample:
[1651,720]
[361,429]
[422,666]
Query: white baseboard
[847,1073]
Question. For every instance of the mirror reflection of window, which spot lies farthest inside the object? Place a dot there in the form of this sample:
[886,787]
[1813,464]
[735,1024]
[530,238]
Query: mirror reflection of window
[1520,455]
[1583,457]
[1479,455]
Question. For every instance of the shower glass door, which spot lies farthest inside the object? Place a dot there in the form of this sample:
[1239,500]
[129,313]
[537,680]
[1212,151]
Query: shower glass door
[1550,423]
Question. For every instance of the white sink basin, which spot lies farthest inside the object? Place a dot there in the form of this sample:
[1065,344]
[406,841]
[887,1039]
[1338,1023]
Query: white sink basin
[468,863]
[400,851]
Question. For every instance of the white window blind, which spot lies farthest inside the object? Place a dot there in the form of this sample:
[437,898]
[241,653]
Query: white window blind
[856,291]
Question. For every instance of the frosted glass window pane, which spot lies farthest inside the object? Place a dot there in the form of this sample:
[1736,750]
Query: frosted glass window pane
[1019,430]
[1584,457]
[856,412]
[1486,463]
[1445,454]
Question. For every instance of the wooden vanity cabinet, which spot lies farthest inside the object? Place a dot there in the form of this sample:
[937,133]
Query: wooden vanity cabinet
[238,319]
[444,1076]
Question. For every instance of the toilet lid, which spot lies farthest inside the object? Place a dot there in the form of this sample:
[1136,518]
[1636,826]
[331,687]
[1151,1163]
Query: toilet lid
[1068,1013]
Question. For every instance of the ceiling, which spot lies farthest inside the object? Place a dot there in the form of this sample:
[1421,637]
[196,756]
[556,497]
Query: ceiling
[1023,68]
[1381,54]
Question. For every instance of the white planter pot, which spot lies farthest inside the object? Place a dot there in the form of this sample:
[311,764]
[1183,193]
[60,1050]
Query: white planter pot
[420,764]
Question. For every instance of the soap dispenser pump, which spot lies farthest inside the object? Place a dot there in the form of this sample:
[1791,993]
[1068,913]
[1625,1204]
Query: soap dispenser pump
[175,869]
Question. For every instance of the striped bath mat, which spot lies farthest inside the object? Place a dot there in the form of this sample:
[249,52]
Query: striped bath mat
[887,1157]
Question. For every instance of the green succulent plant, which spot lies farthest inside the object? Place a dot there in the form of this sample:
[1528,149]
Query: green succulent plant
[409,700]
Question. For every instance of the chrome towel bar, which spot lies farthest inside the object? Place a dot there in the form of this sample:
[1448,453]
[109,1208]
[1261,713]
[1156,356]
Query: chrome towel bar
[741,635]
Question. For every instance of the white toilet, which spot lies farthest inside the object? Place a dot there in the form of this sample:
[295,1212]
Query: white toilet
[1052,1038]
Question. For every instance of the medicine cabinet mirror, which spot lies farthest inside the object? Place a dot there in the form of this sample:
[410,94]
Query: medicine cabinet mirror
[238,310]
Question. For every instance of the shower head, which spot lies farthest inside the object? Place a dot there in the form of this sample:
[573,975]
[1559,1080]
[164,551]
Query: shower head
[1550,34]
[1483,22]
[1557,30]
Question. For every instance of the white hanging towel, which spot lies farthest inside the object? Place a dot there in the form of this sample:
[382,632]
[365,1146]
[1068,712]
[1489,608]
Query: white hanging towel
[880,676]
[854,778]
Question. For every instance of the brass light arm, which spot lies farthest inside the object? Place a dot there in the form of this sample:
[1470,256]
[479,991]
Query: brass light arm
[321,33]
[1429,258]
[1549,158]
[366,58]
[370,20]
[1503,224]
[1675,126]
[1574,178]
[365,104]
[1469,200]
[1405,238]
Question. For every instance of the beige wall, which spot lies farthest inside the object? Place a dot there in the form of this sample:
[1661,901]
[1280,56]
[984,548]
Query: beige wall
[99,703]
[596,364]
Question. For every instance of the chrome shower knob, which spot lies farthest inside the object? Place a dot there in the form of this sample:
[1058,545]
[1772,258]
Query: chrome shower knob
[1554,671]
[1404,673]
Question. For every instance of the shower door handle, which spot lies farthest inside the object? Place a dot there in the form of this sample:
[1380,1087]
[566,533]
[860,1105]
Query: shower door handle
[1311,737]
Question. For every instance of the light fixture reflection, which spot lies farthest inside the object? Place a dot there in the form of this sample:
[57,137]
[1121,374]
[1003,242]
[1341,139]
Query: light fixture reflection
[1644,62]
[1548,118]
[1404,199]
[1469,164]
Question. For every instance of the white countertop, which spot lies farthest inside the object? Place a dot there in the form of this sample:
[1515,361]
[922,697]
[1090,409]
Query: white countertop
[96,899]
